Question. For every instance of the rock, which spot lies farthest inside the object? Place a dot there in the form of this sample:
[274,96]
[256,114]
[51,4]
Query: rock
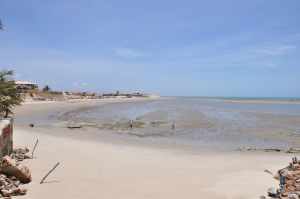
[7,162]
[9,187]
[12,176]
[21,150]
[293,196]
[284,194]
[297,187]
[13,192]
[272,192]
[20,154]
[9,168]
[284,172]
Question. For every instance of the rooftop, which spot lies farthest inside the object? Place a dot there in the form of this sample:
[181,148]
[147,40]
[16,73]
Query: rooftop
[24,83]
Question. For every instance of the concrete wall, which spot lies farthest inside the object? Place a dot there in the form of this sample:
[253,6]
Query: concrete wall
[6,136]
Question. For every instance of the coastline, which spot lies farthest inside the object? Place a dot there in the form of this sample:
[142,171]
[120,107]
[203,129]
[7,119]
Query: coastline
[262,101]
[119,169]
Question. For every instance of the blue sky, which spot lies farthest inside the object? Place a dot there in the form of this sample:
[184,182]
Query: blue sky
[192,47]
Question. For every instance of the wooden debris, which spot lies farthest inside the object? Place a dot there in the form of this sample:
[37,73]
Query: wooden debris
[260,149]
[74,126]
[35,145]
[293,150]
[272,150]
[290,150]
[44,178]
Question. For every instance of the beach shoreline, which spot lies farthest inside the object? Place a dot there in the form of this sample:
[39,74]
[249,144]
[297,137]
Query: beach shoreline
[112,169]
[98,169]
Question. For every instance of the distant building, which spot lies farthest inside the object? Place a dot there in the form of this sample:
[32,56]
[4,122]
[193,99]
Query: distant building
[25,85]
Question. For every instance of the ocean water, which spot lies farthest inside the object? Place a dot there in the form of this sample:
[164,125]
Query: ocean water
[207,122]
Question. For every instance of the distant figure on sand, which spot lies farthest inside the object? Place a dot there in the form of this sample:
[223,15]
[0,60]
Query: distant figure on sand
[173,126]
[131,124]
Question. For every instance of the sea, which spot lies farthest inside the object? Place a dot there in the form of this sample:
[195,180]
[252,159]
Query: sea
[208,122]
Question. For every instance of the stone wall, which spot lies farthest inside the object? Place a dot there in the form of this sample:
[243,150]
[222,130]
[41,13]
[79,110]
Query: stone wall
[6,136]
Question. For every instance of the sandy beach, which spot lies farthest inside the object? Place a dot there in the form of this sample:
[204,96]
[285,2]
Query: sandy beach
[111,170]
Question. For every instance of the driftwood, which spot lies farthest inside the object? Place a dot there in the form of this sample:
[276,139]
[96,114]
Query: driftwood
[74,126]
[293,150]
[272,150]
[260,149]
[35,145]
[269,172]
[290,150]
[44,178]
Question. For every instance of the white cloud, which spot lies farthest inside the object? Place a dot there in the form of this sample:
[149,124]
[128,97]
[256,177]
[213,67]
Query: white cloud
[80,84]
[276,50]
[128,53]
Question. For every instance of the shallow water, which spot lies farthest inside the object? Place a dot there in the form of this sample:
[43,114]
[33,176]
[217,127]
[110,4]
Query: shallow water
[216,123]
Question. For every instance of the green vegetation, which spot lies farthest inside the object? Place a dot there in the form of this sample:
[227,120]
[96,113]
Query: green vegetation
[9,95]
[46,89]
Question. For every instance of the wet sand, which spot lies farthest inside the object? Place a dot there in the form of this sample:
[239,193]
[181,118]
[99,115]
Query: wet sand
[117,169]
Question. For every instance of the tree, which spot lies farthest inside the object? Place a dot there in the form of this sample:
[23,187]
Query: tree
[1,25]
[9,95]
[46,88]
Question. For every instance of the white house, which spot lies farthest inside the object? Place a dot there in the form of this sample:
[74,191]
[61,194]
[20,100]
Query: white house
[25,85]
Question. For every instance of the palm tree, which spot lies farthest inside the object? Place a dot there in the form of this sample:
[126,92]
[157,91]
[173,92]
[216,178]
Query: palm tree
[9,95]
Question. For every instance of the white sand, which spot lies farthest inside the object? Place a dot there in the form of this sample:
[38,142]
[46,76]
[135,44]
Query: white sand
[117,171]
[99,170]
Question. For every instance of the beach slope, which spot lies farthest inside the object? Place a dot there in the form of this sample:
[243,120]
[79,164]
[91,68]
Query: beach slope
[101,170]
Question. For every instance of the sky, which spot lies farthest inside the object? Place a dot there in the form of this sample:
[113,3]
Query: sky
[169,47]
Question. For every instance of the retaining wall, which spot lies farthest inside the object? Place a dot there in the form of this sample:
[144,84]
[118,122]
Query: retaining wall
[6,136]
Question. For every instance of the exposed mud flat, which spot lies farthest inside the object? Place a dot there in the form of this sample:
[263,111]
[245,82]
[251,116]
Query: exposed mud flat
[195,121]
